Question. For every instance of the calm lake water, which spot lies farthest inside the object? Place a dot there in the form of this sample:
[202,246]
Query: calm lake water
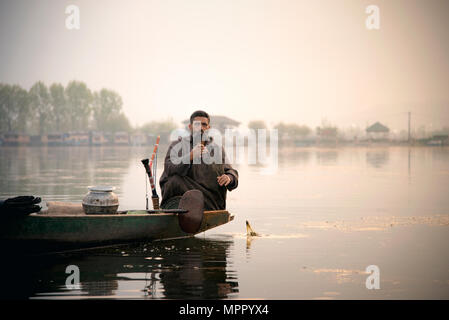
[324,216]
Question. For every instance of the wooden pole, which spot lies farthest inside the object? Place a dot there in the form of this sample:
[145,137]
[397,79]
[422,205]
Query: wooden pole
[409,121]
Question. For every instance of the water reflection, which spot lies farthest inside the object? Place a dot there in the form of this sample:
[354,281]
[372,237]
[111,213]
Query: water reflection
[287,156]
[61,173]
[194,268]
[326,157]
[199,270]
[377,158]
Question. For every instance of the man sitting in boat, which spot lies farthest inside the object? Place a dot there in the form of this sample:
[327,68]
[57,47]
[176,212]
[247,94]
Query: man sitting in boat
[191,163]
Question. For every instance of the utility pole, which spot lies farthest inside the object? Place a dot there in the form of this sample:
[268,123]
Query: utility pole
[409,120]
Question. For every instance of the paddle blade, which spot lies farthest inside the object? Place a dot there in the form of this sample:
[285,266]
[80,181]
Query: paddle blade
[249,231]
[193,202]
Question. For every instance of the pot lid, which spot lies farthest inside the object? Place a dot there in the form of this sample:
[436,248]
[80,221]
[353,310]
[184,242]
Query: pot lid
[101,188]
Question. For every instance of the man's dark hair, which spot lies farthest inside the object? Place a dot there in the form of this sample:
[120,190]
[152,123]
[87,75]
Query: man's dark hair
[199,113]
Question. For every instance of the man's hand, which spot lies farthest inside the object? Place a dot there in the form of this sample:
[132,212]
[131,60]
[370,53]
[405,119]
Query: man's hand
[197,151]
[224,180]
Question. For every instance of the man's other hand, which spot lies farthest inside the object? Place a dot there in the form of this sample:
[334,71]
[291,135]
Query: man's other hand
[224,180]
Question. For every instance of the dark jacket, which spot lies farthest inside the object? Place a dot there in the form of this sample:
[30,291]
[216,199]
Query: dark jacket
[178,178]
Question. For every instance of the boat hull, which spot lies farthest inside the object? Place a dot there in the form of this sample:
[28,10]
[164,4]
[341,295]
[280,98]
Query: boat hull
[100,230]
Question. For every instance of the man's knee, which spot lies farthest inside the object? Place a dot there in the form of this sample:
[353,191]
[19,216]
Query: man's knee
[174,186]
[174,181]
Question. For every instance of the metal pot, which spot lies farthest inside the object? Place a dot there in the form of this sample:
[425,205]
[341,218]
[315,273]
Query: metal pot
[100,200]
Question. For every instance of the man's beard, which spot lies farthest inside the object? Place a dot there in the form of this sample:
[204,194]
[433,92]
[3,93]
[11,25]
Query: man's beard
[200,136]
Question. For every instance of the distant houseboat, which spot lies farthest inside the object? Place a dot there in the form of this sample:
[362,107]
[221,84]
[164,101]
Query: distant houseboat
[16,139]
[439,140]
[76,139]
[55,139]
[139,139]
[109,138]
[326,135]
[121,139]
[39,140]
[436,140]
[98,139]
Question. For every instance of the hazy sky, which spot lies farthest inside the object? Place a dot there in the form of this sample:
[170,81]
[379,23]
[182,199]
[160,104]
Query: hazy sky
[300,61]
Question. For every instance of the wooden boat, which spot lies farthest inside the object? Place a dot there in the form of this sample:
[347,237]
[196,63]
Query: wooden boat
[65,226]
[65,231]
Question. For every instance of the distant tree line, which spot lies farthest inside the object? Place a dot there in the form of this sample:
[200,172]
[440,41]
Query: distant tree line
[56,109]
[291,130]
[162,128]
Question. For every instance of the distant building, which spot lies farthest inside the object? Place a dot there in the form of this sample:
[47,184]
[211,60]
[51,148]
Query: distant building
[39,140]
[55,139]
[439,140]
[378,131]
[327,135]
[121,139]
[138,139]
[220,123]
[98,139]
[76,139]
[109,136]
[16,139]
[435,140]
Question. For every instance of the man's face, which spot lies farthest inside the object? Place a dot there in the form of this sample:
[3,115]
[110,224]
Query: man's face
[199,124]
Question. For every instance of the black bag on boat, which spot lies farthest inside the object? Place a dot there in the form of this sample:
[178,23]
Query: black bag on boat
[20,206]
